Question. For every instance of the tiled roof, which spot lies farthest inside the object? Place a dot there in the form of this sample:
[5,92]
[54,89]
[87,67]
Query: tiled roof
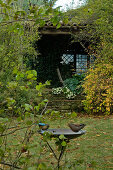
[49,28]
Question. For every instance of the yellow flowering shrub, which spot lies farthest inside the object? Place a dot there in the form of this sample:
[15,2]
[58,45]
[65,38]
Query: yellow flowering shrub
[98,87]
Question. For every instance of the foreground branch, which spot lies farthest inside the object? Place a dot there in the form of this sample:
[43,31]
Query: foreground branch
[10,165]
[14,131]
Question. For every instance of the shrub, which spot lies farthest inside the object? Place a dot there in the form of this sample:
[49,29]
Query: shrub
[74,83]
[98,86]
[71,88]
[22,91]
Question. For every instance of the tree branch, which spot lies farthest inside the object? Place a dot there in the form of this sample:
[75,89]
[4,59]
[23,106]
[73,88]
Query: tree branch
[44,108]
[10,165]
[59,76]
[12,131]
[10,22]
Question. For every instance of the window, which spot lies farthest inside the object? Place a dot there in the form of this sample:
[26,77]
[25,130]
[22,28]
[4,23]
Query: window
[67,58]
[81,63]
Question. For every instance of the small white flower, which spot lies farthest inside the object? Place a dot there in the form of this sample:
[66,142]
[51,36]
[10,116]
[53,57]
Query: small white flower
[57,90]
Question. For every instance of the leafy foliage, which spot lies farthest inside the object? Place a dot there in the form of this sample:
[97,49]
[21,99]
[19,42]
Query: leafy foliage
[20,94]
[71,88]
[98,86]
[17,82]
[74,83]
[97,19]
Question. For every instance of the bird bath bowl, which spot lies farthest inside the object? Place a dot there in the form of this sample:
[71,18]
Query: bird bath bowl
[68,133]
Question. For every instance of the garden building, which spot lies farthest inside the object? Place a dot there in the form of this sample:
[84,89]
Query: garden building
[59,55]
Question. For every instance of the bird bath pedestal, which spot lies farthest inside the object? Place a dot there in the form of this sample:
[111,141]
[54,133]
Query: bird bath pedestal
[68,133]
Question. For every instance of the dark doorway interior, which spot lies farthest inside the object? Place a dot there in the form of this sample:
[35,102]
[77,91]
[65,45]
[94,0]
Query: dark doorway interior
[58,51]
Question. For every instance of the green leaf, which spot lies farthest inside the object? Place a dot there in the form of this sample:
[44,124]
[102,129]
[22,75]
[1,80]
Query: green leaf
[21,75]
[62,137]
[45,100]
[34,72]
[42,23]
[37,107]
[58,26]
[38,87]
[48,111]
[54,20]
[63,143]
[22,88]
[29,83]
[73,114]
[30,76]
[19,119]
[29,122]
[1,19]
[65,20]
[28,107]
[17,77]
[15,71]
[47,83]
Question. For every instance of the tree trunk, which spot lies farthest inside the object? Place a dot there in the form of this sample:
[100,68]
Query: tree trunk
[59,76]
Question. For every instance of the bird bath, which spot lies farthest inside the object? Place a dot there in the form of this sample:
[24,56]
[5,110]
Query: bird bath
[68,133]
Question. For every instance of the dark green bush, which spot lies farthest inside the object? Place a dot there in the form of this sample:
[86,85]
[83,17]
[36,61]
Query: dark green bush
[74,83]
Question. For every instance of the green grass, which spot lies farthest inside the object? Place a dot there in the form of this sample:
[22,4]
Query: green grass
[93,150]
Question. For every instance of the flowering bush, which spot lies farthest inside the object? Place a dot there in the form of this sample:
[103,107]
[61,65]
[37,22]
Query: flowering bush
[98,87]
[57,90]
[72,87]
[64,90]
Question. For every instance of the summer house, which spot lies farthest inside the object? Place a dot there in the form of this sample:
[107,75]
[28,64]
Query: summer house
[59,55]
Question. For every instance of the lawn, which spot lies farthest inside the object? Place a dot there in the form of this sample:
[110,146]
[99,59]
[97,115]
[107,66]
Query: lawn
[93,150]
